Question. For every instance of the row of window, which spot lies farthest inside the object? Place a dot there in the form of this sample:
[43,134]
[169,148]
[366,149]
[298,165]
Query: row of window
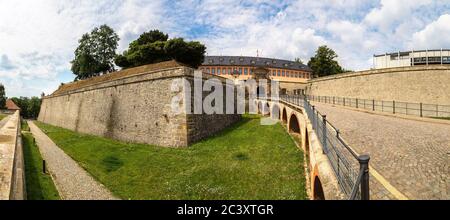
[445,60]
[249,71]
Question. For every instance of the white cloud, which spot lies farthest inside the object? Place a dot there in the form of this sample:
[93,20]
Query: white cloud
[37,38]
[392,12]
[434,36]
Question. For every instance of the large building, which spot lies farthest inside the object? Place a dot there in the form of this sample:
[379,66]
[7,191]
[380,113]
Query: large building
[292,75]
[412,58]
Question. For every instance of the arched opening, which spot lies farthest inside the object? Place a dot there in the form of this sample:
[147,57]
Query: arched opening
[260,108]
[284,117]
[318,190]
[275,112]
[267,109]
[293,124]
[261,91]
[307,149]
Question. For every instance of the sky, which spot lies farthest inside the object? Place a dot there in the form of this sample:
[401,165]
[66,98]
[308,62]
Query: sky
[38,38]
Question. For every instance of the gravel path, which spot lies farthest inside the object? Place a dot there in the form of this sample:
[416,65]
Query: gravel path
[413,156]
[72,181]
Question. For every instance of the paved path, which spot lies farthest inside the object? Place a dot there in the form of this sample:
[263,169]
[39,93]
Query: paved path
[72,181]
[413,157]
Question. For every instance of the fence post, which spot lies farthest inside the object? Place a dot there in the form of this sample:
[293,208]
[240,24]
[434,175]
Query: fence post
[373,104]
[421,114]
[364,168]
[343,101]
[43,167]
[324,134]
[393,107]
[334,100]
[356,102]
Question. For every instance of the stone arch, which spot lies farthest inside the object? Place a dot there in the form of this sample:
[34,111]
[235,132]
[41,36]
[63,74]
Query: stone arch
[275,112]
[260,108]
[318,193]
[294,125]
[306,141]
[260,91]
[284,116]
[266,109]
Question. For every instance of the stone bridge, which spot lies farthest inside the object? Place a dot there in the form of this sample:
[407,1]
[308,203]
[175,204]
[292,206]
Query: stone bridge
[323,183]
[409,155]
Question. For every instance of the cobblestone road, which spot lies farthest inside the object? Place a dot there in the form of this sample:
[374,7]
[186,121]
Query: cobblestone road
[413,156]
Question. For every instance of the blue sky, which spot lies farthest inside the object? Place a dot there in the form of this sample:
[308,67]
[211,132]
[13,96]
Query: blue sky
[37,38]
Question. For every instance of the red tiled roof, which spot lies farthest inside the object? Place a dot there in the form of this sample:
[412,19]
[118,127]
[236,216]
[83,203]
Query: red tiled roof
[10,105]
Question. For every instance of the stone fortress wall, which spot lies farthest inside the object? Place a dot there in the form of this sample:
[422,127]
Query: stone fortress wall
[417,84]
[132,105]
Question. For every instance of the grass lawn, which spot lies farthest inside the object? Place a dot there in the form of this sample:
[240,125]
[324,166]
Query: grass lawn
[2,116]
[39,186]
[245,161]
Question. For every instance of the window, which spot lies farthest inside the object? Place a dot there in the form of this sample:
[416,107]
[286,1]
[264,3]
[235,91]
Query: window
[251,71]
[213,71]
[229,71]
[240,71]
[211,61]
[207,70]
[297,75]
[241,59]
[224,71]
[218,71]
[274,72]
[231,61]
[283,73]
[246,71]
[278,73]
[253,61]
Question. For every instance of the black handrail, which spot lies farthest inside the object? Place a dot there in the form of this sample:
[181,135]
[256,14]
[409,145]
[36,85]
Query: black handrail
[394,107]
[343,159]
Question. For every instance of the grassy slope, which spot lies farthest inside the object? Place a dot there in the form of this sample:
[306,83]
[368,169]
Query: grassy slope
[246,161]
[2,116]
[39,186]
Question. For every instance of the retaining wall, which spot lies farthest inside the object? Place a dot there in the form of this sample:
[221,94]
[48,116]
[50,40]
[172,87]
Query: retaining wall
[419,84]
[133,105]
[12,171]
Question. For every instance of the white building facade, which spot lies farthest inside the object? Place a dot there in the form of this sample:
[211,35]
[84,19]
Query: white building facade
[412,58]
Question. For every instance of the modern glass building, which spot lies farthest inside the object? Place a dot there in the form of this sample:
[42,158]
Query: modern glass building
[412,58]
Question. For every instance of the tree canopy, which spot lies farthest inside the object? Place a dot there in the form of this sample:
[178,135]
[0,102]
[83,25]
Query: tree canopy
[2,97]
[324,63]
[154,46]
[29,107]
[95,53]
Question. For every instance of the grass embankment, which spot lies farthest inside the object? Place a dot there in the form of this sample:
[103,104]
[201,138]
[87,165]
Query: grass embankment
[245,161]
[2,116]
[442,118]
[39,185]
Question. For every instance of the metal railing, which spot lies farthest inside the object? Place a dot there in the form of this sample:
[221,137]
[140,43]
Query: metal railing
[394,107]
[351,169]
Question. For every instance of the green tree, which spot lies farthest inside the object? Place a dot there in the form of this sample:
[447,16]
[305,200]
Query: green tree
[154,46]
[2,97]
[324,63]
[95,53]
[298,60]
[29,107]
